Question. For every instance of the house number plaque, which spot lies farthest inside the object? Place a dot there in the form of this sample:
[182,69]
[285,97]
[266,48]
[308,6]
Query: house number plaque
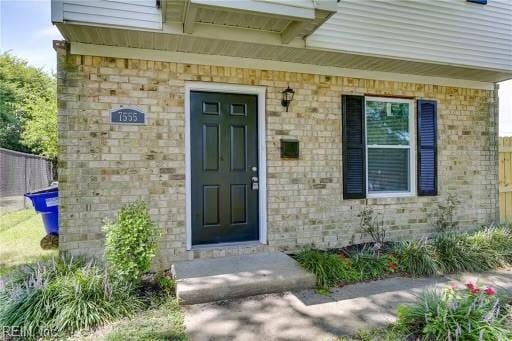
[127,116]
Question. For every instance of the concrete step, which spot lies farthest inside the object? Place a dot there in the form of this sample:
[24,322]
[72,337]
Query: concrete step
[208,280]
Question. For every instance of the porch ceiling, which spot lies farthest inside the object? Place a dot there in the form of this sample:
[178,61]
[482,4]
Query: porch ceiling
[290,20]
[206,41]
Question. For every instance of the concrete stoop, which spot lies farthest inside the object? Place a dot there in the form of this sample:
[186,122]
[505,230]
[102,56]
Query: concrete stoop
[208,280]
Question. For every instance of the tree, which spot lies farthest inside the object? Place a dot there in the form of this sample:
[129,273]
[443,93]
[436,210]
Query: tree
[28,108]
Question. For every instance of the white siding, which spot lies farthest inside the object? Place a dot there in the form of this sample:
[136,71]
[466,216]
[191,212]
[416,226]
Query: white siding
[123,13]
[449,32]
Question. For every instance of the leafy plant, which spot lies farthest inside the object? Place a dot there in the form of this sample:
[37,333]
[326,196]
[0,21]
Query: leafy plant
[372,224]
[443,218]
[166,283]
[469,314]
[61,296]
[131,242]
[417,258]
[328,268]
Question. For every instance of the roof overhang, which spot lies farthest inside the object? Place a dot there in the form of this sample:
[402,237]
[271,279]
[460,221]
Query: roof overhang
[253,44]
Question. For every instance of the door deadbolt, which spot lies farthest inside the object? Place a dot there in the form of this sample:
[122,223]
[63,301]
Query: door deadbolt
[255,185]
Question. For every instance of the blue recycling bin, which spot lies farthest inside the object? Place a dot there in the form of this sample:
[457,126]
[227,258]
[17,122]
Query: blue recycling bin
[46,203]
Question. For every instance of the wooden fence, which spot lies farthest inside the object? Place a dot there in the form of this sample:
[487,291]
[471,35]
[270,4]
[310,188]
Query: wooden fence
[505,178]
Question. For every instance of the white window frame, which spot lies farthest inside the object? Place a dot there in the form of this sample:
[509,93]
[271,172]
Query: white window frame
[412,148]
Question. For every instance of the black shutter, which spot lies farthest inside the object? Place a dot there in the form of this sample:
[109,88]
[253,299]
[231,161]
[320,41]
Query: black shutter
[427,147]
[354,148]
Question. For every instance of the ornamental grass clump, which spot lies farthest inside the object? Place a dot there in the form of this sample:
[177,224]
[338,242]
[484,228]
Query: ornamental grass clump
[472,313]
[131,242]
[369,266]
[457,254]
[62,295]
[417,258]
[328,268]
[499,238]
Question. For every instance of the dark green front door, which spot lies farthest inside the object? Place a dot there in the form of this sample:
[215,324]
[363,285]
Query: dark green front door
[224,162]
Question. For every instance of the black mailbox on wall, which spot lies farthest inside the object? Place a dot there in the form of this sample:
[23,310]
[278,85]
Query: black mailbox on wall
[289,148]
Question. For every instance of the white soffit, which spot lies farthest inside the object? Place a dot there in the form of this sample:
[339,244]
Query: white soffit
[270,50]
[201,59]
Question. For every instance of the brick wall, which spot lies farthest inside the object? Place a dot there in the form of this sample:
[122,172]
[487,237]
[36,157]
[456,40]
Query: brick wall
[103,166]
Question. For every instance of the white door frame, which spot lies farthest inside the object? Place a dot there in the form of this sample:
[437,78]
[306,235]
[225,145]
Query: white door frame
[260,91]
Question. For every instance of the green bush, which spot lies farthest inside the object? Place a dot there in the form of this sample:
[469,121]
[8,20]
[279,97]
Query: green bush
[328,268]
[469,314]
[61,296]
[166,283]
[417,258]
[131,242]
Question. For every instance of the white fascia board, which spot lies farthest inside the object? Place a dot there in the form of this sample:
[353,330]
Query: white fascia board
[270,8]
[261,64]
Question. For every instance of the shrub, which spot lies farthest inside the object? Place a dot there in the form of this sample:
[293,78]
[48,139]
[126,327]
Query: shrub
[443,218]
[469,314]
[417,258]
[166,283]
[372,225]
[62,296]
[131,242]
[328,268]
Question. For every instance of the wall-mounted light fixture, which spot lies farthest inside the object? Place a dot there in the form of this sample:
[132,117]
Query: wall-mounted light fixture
[287,97]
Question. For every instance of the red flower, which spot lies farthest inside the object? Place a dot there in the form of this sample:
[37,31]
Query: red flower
[472,287]
[392,266]
[490,291]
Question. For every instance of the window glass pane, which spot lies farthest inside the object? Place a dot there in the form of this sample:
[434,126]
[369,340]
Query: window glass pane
[388,170]
[387,123]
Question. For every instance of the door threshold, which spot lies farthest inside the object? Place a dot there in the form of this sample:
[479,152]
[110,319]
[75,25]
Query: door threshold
[227,245]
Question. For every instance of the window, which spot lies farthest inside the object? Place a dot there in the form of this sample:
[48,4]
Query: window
[390,157]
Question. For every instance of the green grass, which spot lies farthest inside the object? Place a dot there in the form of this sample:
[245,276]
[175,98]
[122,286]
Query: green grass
[384,334]
[162,322]
[20,234]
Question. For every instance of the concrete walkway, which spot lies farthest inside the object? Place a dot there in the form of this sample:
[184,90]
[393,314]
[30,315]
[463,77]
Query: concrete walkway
[306,315]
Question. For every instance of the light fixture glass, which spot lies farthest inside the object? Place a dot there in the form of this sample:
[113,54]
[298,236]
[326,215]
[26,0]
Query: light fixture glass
[287,97]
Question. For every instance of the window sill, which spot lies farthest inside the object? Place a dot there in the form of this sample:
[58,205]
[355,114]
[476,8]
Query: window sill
[392,199]
[390,195]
